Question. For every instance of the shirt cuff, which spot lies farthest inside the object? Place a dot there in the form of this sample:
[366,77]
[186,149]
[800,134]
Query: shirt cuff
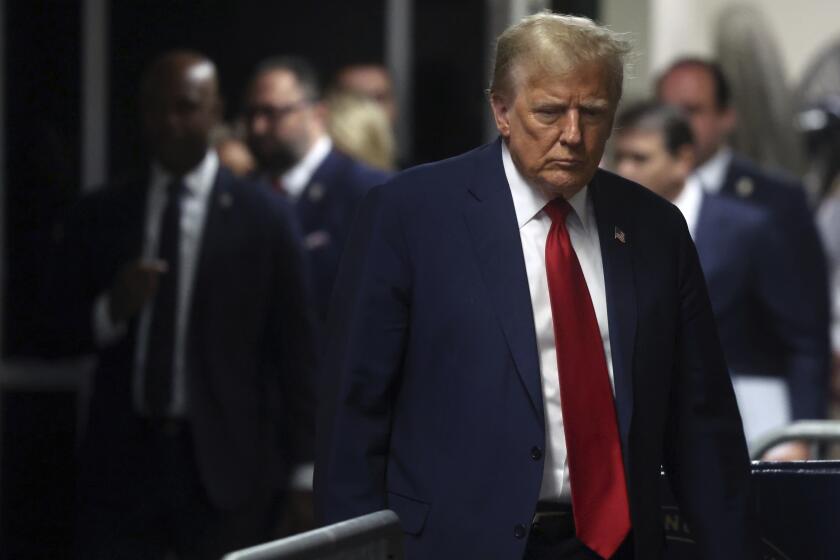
[302,477]
[105,331]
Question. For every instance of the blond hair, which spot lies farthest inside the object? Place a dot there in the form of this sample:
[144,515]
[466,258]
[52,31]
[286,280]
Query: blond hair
[360,128]
[556,44]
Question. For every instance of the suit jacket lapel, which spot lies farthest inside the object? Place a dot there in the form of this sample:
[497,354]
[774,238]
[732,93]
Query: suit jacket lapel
[491,220]
[615,230]
[707,228]
[311,196]
[214,235]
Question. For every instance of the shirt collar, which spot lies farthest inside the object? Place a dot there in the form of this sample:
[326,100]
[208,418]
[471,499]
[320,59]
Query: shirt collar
[712,173]
[689,202]
[295,179]
[198,181]
[528,201]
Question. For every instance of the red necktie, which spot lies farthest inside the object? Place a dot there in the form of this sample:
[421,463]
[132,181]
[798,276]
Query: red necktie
[596,471]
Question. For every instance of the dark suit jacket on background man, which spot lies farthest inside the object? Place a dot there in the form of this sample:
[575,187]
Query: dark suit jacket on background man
[762,300]
[325,211]
[248,389]
[701,89]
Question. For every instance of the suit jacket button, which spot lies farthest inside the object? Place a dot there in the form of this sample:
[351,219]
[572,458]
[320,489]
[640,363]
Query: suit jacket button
[519,531]
[536,453]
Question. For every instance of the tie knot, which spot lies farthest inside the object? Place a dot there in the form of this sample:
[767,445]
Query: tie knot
[557,210]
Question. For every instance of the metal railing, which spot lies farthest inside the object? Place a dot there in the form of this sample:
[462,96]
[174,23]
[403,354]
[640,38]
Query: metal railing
[376,536]
[815,432]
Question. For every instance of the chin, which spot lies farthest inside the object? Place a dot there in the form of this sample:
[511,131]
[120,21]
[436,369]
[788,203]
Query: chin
[562,183]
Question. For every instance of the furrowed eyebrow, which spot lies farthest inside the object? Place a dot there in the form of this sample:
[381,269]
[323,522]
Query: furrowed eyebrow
[596,104]
[550,105]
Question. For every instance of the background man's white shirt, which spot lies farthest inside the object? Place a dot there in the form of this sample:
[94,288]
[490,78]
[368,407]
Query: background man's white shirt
[198,185]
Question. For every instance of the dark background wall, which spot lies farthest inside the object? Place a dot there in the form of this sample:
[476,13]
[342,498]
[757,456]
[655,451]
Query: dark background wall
[42,132]
[43,135]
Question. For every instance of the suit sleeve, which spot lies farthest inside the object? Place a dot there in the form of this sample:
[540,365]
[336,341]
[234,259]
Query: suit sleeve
[366,340]
[801,263]
[792,290]
[706,456]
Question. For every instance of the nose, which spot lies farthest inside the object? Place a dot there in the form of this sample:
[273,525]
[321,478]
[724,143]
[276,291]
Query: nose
[172,120]
[166,123]
[570,134]
[259,124]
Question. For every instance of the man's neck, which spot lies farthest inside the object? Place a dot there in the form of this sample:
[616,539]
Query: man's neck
[673,192]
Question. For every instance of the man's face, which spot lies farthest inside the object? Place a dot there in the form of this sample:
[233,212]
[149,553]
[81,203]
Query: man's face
[556,126]
[641,156]
[373,82]
[282,123]
[692,89]
[179,108]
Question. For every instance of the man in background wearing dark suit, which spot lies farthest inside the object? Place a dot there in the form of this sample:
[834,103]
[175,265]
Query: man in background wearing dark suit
[757,295]
[700,89]
[519,341]
[286,129]
[187,282]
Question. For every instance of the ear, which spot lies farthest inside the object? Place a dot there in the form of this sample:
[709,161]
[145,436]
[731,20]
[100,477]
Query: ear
[501,113]
[729,119]
[320,110]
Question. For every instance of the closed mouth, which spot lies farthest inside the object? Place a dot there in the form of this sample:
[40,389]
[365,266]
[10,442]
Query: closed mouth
[565,163]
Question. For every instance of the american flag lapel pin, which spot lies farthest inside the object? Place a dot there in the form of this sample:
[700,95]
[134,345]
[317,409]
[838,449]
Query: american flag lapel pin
[619,235]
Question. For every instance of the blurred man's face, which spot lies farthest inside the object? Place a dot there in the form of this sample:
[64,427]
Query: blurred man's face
[373,82]
[282,123]
[641,156]
[180,106]
[556,126]
[692,89]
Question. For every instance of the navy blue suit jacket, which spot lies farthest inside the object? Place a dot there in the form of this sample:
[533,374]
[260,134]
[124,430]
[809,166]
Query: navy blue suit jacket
[325,212]
[249,346]
[434,402]
[762,302]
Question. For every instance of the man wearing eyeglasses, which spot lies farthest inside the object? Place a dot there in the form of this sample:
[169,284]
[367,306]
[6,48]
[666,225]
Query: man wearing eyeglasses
[286,132]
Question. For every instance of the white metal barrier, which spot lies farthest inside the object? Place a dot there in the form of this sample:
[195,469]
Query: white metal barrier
[376,536]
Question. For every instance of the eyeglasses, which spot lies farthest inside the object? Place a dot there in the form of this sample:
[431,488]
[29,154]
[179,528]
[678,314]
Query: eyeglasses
[274,113]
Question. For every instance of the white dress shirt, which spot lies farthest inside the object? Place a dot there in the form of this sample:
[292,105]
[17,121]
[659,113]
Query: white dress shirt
[690,201]
[198,186]
[711,175]
[295,179]
[534,224]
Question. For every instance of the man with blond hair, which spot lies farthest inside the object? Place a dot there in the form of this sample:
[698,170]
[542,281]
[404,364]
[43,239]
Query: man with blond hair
[521,341]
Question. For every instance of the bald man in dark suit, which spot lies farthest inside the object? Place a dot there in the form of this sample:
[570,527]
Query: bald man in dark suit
[188,284]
